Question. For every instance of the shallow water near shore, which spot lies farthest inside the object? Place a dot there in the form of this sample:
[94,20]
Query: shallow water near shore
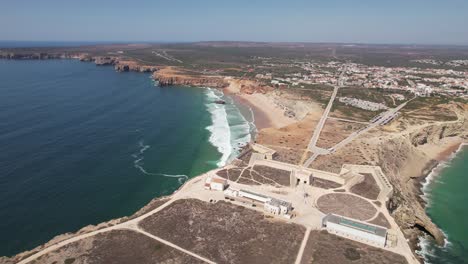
[83,144]
[447,198]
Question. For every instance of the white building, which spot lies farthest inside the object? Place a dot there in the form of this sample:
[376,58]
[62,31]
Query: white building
[355,230]
[215,183]
[278,207]
[270,205]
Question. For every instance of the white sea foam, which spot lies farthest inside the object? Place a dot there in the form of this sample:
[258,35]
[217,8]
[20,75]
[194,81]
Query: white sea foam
[138,163]
[229,129]
[433,175]
[220,132]
[427,247]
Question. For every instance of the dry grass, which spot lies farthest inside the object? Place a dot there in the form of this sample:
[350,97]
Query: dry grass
[381,220]
[324,184]
[119,246]
[226,233]
[346,205]
[367,188]
[336,131]
[325,248]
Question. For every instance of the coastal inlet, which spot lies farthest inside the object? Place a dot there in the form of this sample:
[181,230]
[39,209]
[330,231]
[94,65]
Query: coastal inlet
[84,144]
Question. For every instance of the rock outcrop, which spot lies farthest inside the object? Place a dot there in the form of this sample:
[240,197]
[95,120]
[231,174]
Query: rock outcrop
[126,65]
[102,61]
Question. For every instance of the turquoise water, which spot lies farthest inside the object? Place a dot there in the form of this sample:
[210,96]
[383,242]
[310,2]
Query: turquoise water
[447,198]
[83,144]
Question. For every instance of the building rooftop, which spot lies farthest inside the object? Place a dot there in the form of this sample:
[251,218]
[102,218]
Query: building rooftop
[252,193]
[278,202]
[372,229]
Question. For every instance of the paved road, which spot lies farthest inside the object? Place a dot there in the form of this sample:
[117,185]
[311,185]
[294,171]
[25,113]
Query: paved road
[386,117]
[318,129]
[323,119]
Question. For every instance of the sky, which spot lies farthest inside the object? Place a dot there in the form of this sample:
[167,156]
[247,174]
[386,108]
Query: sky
[345,21]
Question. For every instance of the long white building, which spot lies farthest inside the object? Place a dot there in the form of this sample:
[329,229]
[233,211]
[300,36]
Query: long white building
[270,204]
[355,230]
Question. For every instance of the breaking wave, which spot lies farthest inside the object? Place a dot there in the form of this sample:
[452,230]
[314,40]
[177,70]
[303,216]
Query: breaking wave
[230,131]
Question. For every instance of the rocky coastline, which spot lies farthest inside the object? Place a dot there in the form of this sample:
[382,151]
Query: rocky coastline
[406,205]
[119,64]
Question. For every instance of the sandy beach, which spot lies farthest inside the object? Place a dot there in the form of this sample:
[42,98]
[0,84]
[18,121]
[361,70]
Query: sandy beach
[266,113]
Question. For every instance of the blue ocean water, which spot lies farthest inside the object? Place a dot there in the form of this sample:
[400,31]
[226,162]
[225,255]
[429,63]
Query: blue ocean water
[82,144]
[447,198]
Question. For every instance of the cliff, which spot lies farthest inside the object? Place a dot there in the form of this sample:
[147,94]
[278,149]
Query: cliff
[407,150]
[171,76]
[33,56]
[119,64]
[127,65]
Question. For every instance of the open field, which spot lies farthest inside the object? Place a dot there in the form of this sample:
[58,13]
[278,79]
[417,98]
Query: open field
[380,220]
[119,246]
[324,184]
[346,205]
[334,131]
[367,188]
[325,248]
[234,234]
[341,110]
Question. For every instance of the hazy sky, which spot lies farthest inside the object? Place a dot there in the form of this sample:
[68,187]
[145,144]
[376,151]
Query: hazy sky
[364,21]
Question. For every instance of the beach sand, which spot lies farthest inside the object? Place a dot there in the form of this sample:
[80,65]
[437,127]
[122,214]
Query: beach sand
[266,113]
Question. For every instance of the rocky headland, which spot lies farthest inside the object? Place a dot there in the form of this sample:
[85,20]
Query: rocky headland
[174,76]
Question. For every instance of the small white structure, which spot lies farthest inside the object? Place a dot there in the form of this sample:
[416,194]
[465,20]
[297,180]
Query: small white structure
[356,230]
[215,184]
[278,207]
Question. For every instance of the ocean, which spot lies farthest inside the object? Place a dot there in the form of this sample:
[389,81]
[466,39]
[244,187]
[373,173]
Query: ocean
[83,144]
[446,196]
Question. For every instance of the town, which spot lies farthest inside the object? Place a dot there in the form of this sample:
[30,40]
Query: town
[414,80]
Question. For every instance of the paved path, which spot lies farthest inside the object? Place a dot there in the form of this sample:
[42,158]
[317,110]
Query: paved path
[318,129]
[172,245]
[303,245]
[323,119]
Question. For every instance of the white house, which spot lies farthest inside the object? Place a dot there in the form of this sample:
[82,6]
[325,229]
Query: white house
[215,183]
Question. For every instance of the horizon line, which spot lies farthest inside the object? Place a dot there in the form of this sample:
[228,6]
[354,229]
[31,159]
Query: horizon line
[234,41]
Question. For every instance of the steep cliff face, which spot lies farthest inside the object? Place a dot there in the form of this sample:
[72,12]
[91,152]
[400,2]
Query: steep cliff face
[407,160]
[169,76]
[119,65]
[34,56]
[406,151]
[125,66]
